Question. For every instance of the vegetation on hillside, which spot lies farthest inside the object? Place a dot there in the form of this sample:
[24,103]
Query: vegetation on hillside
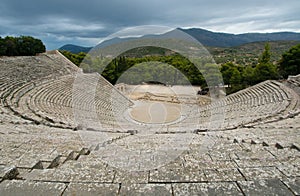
[236,75]
[21,46]
[248,54]
[75,58]
[119,65]
[290,62]
[239,77]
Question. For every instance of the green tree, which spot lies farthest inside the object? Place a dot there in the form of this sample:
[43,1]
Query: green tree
[3,47]
[265,70]
[248,76]
[29,46]
[227,70]
[21,46]
[232,75]
[290,62]
[212,74]
[11,46]
[75,58]
[266,55]
[120,64]
[235,78]
[235,81]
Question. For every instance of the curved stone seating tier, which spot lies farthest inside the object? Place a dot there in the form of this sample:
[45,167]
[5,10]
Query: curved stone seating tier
[272,134]
[8,89]
[263,101]
[51,102]
[294,79]
[23,69]
[29,68]
[18,73]
[49,89]
[293,82]
[93,92]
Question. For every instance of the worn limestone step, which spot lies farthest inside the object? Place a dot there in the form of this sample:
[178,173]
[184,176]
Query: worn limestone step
[8,172]
[25,187]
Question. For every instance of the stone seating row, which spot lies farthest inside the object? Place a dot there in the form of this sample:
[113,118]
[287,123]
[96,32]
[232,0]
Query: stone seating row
[261,101]
[28,68]
[20,73]
[53,100]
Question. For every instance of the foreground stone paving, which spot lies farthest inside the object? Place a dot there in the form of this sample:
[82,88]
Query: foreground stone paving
[253,153]
[245,163]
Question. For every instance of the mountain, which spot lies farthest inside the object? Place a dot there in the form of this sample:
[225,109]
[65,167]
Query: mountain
[75,49]
[205,37]
[208,38]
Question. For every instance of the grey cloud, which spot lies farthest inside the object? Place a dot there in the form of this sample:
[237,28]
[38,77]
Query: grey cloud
[59,22]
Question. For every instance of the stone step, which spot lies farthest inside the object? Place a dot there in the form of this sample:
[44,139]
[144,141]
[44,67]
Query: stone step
[8,172]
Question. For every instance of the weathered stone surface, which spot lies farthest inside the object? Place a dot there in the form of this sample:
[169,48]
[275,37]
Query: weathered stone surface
[7,155]
[261,173]
[264,187]
[75,171]
[146,189]
[291,161]
[8,172]
[293,184]
[257,153]
[22,172]
[289,170]
[86,189]
[218,188]
[257,162]
[131,177]
[72,175]
[223,175]
[177,175]
[282,154]
[27,162]
[223,151]
[21,187]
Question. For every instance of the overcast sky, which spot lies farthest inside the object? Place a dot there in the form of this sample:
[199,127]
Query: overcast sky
[58,22]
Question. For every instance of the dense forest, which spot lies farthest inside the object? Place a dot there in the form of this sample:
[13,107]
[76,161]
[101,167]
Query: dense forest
[21,46]
[237,76]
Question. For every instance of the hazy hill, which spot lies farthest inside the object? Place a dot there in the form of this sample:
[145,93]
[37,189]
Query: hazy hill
[75,49]
[207,38]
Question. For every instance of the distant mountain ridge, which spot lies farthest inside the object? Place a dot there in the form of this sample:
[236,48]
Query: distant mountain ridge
[206,38]
[75,49]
